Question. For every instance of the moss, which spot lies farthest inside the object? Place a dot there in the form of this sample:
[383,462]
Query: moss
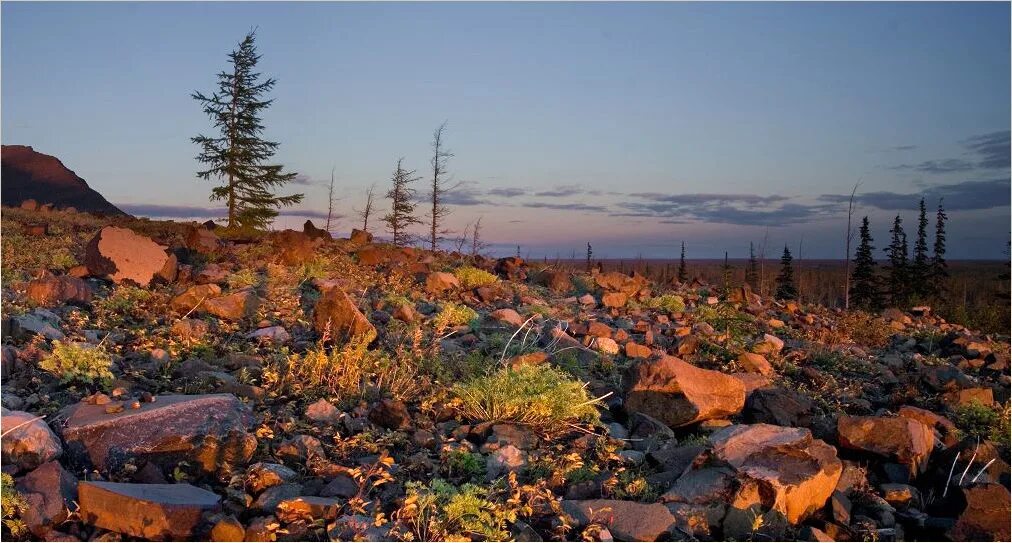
[471,277]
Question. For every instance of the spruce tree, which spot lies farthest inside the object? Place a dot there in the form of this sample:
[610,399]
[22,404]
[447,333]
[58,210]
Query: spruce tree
[864,289]
[919,270]
[939,269]
[590,255]
[899,281]
[752,271]
[240,156]
[683,274]
[785,279]
[726,276]
[402,205]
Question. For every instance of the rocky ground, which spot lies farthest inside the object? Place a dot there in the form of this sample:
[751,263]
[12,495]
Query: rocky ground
[162,381]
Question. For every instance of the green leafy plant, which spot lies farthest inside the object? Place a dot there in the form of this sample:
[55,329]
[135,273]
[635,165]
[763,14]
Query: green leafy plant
[452,314]
[471,277]
[978,420]
[441,511]
[12,504]
[464,465]
[546,399]
[669,303]
[242,279]
[74,363]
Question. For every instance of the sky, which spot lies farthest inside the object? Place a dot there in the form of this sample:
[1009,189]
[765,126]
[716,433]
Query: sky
[631,126]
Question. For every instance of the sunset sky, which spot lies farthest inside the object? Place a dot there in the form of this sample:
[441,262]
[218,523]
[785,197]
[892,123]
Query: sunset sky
[628,125]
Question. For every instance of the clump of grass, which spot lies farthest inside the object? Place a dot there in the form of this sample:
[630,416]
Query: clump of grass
[12,504]
[471,277]
[336,371]
[978,420]
[669,303]
[74,363]
[452,314]
[545,399]
[242,279]
[441,511]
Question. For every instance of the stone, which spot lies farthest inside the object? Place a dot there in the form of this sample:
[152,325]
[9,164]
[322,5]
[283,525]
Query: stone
[614,299]
[587,300]
[201,240]
[27,440]
[360,236]
[947,429]
[391,414]
[172,511]
[620,282]
[755,363]
[53,290]
[310,230]
[775,405]
[678,393]
[511,267]
[900,495]
[293,248]
[438,282]
[535,358]
[307,508]
[556,281]
[263,475]
[236,306]
[123,255]
[271,334]
[341,486]
[194,298]
[300,448]
[405,313]
[211,273]
[190,329]
[598,329]
[39,321]
[796,472]
[627,520]
[208,430]
[507,316]
[605,345]
[51,494]
[335,314]
[635,350]
[506,459]
[228,529]
[986,517]
[907,441]
[323,411]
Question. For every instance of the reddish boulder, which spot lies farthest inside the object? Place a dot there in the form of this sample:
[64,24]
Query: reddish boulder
[236,306]
[149,511]
[294,248]
[508,316]
[556,281]
[27,440]
[336,314]
[123,255]
[627,520]
[201,240]
[51,493]
[208,430]
[614,299]
[53,290]
[755,363]
[194,298]
[908,441]
[360,236]
[310,229]
[678,393]
[635,350]
[370,256]
[512,267]
[437,282]
[986,517]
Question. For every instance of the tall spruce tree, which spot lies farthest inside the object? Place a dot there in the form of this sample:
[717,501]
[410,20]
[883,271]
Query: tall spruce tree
[683,273]
[590,256]
[402,205]
[920,271]
[752,270]
[939,268]
[240,156]
[899,281]
[864,284]
[785,279]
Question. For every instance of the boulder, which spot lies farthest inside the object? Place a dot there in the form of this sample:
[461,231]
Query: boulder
[905,440]
[986,517]
[53,290]
[39,321]
[438,282]
[755,363]
[335,314]
[310,229]
[507,316]
[635,350]
[360,236]
[27,441]
[614,299]
[209,430]
[264,475]
[155,511]
[774,405]
[556,281]
[324,412]
[392,414]
[370,256]
[201,240]
[190,329]
[233,307]
[194,298]
[294,248]
[627,520]
[51,493]
[123,255]
[270,334]
[796,473]
[512,268]
[620,282]
[678,393]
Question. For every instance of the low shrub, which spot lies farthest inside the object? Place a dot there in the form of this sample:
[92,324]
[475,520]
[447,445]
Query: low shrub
[471,277]
[441,511]
[668,303]
[74,363]
[545,399]
[13,504]
[452,314]
[981,421]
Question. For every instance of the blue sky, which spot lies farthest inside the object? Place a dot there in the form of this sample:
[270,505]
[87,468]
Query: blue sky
[631,126]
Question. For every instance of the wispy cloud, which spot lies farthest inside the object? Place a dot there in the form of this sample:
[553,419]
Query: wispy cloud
[565,206]
[507,192]
[562,191]
[947,165]
[200,212]
[736,209]
[967,195]
[992,149]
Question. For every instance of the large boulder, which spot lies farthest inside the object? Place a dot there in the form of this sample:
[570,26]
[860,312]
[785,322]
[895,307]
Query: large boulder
[27,441]
[294,248]
[775,405]
[511,267]
[337,315]
[53,290]
[986,517]
[150,511]
[51,493]
[193,298]
[908,441]
[627,520]
[795,473]
[310,229]
[235,306]
[557,281]
[200,239]
[437,282]
[620,282]
[678,393]
[124,255]
[208,430]
[360,236]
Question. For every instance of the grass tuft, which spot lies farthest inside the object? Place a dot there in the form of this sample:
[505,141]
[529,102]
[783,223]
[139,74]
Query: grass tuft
[471,277]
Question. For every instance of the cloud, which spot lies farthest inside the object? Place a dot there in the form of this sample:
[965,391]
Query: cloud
[903,148]
[694,199]
[200,212]
[562,191]
[992,149]
[464,196]
[948,165]
[507,192]
[968,195]
[564,207]
[303,179]
[736,209]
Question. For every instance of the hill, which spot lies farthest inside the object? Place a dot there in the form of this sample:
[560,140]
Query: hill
[29,174]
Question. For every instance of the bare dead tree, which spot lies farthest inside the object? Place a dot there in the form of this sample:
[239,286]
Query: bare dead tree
[477,245]
[461,240]
[402,205]
[850,237]
[330,199]
[440,157]
[365,212]
[801,268]
[762,263]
